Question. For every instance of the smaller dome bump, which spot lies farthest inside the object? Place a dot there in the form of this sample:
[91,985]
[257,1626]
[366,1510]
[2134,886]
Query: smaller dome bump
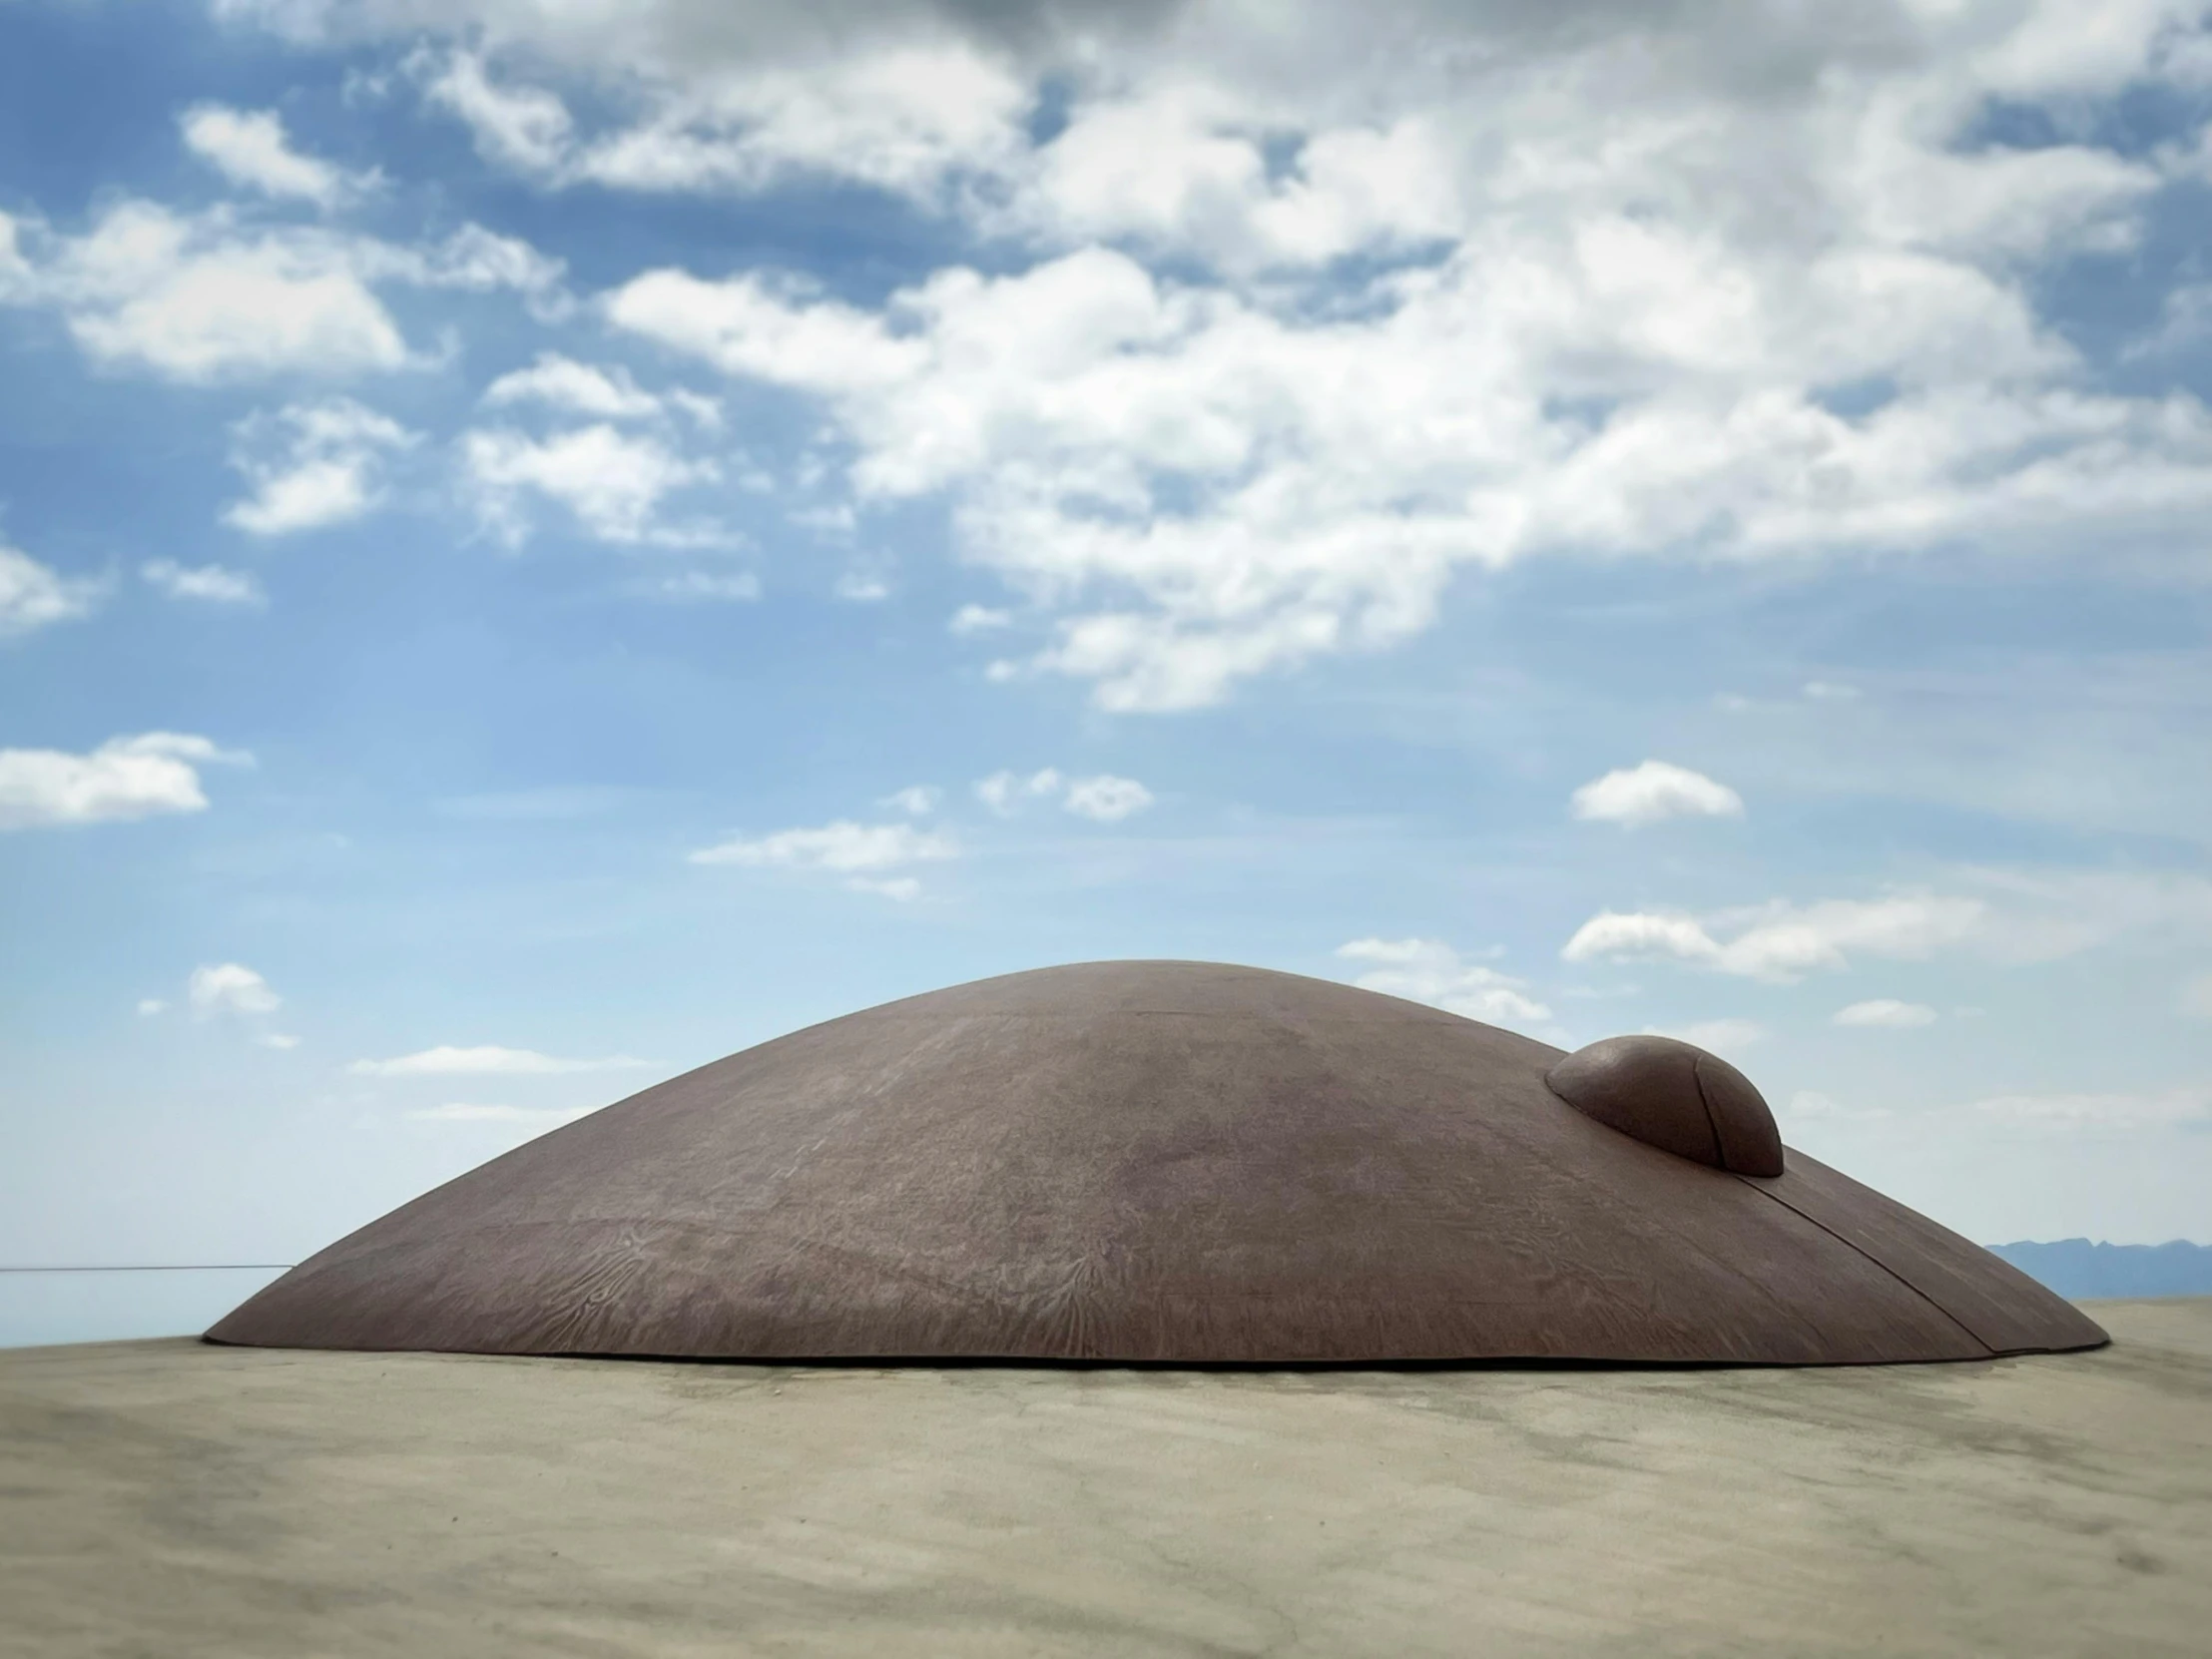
[1674,1096]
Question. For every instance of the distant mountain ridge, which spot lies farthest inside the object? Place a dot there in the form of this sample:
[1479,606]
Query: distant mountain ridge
[2076,1267]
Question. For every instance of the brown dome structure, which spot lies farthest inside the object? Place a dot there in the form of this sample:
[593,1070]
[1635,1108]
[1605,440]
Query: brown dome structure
[1169,1162]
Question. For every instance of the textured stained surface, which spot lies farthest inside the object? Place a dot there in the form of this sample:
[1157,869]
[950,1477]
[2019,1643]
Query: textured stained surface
[179,1500]
[1147,1160]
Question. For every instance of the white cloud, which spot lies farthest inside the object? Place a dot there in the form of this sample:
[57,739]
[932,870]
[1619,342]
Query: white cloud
[899,887]
[902,116]
[843,846]
[2185,319]
[312,465]
[1830,691]
[861,587]
[32,596]
[691,586]
[1429,970]
[276,1039]
[2196,998]
[767,328]
[580,389]
[212,297]
[865,853]
[1060,403]
[610,482]
[978,619]
[524,128]
[1887,1011]
[249,147]
[124,779]
[1003,792]
[207,584]
[1720,1036]
[1654,790]
[1782,941]
[488,1060]
[204,299]
[476,261]
[1656,253]
[151,1005]
[15,271]
[1106,799]
[706,414]
[834,521]
[918,800]
[230,988]
[1640,934]
[1181,168]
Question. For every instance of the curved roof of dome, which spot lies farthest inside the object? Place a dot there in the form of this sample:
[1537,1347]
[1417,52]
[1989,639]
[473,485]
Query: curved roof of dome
[1168,1161]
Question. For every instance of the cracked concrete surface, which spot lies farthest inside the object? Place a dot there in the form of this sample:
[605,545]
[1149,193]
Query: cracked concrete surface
[170,1498]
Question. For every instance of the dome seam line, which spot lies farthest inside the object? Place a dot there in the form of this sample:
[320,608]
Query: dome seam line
[1972,1334]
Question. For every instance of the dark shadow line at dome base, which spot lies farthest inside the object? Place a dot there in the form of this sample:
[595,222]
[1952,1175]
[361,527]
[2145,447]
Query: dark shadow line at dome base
[961,1362]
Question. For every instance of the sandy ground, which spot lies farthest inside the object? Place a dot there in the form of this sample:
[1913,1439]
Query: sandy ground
[169,1498]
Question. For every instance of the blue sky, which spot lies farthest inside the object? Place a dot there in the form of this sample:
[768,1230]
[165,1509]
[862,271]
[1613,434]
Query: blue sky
[541,544]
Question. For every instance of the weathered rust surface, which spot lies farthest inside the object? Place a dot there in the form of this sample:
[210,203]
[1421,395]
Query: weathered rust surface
[1146,1161]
